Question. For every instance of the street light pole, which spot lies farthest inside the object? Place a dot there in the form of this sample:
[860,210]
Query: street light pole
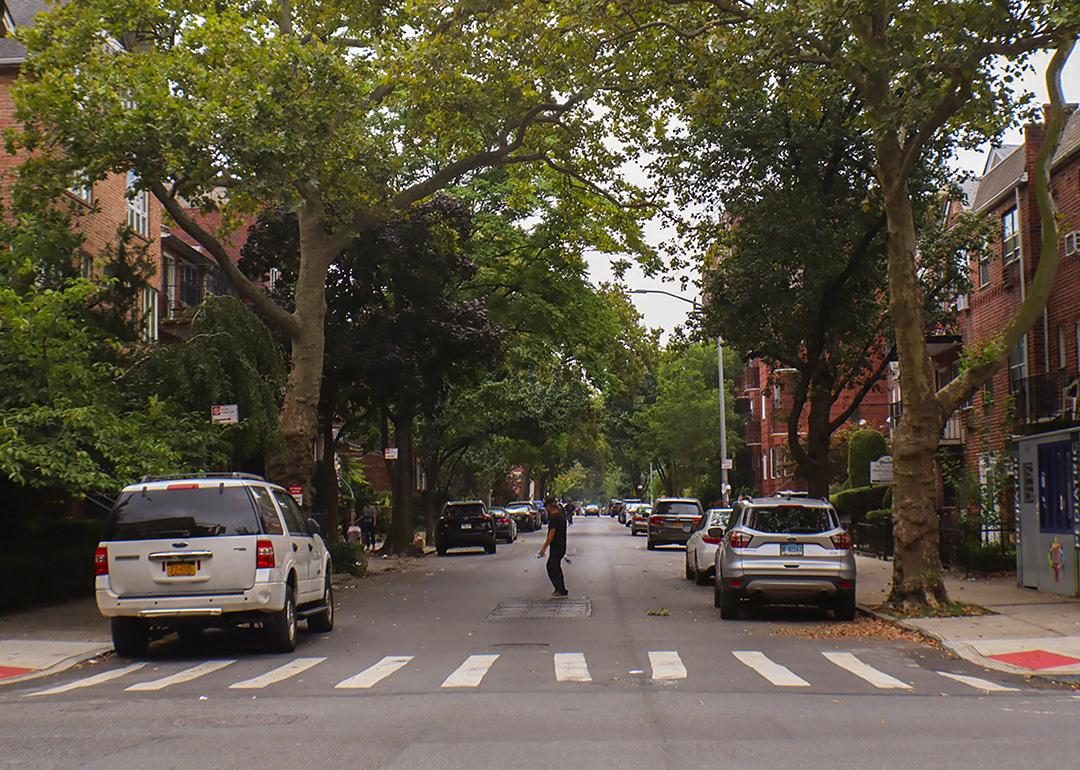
[725,487]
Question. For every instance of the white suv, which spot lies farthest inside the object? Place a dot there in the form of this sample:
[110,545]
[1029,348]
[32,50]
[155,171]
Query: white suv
[187,553]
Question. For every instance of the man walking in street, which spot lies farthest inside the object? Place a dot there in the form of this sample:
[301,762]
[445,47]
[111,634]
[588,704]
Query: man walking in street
[556,541]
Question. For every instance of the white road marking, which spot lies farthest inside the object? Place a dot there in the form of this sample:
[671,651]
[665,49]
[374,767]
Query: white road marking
[979,684]
[781,676]
[666,665]
[471,672]
[180,677]
[279,674]
[571,667]
[370,677]
[879,679]
[89,681]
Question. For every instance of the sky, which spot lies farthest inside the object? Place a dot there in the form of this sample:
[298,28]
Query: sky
[666,313]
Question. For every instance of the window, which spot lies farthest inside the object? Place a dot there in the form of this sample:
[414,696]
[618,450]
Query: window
[1018,365]
[776,396]
[677,508]
[984,268]
[1010,237]
[776,462]
[84,192]
[86,266]
[150,319]
[138,207]
[267,512]
[293,517]
[275,276]
[1062,339]
[764,464]
[791,519]
[168,280]
[216,511]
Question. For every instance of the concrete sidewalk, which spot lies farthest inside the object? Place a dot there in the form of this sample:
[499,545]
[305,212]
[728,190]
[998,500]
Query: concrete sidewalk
[40,641]
[1029,633]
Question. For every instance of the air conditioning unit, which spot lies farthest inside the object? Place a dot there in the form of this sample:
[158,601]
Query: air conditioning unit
[1072,243]
[962,302]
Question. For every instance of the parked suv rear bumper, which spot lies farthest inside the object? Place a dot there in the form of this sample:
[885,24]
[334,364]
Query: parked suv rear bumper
[779,588]
[261,597]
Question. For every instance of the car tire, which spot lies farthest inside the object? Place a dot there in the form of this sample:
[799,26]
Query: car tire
[323,622]
[727,602]
[650,545]
[129,636]
[845,605]
[280,629]
[689,571]
[701,577]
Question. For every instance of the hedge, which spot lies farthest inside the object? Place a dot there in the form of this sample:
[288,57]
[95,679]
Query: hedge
[864,447]
[852,505]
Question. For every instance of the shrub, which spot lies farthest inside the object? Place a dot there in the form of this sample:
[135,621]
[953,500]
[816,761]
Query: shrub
[348,558]
[853,505]
[879,515]
[864,447]
[989,557]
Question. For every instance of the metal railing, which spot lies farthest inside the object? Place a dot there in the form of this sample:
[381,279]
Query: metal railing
[1051,397]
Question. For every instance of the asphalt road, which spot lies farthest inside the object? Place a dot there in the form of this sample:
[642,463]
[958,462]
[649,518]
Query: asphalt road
[410,679]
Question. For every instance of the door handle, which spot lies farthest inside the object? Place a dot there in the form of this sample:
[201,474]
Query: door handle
[295,547]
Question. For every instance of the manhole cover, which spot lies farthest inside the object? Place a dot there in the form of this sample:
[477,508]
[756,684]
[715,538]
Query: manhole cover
[543,609]
[240,720]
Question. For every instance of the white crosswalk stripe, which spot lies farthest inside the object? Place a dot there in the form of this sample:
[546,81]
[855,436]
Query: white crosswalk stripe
[279,674]
[370,677]
[89,681]
[471,673]
[571,667]
[977,683]
[666,665]
[187,675]
[773,672]
[879,679]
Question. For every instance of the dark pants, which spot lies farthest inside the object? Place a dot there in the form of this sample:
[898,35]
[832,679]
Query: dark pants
[554,570]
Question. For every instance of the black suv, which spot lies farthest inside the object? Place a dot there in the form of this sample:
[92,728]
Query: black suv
[464,524]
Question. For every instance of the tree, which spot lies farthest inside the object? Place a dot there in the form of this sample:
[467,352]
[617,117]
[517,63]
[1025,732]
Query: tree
[338,113]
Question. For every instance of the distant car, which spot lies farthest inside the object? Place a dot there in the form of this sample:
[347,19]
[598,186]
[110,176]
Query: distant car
[702,545]
[785,550]
[592,510]
[505,526]
[627,507]
[614,508]
[638,518]
[526,514]
[672,521]
[543,511]
[464,524]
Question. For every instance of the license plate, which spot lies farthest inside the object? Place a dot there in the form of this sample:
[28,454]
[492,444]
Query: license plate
[466,526]
[180,569]
[791,549]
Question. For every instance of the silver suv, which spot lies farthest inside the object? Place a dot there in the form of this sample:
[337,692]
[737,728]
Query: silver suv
[785,550]
[187,553]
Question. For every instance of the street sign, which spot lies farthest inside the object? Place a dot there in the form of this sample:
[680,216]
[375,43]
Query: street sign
[225,414]
[390,453]
[727,464]
[881,470]
[297,493]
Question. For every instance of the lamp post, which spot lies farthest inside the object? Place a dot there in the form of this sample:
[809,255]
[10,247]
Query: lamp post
[725,487]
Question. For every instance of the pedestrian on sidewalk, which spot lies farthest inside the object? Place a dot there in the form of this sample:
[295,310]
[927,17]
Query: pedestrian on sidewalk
[556,541]
[368,525]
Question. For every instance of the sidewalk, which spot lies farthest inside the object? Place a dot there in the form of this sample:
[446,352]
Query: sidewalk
[1031,633]
[44,640]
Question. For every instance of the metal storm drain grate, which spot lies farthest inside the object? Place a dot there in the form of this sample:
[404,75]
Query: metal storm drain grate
[526,609]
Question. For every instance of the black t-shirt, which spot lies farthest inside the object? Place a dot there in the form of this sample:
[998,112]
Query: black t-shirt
[557,524]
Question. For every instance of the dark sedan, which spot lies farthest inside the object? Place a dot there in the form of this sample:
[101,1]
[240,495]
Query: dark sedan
[525,514]
[465,524]
[505,526]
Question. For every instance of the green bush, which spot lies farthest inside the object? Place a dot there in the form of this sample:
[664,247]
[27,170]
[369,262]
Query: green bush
[879,515]
[348,558]
[988,557]
[853,505]
[48,561]
[864,447]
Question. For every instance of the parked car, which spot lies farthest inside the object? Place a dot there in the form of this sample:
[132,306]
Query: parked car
[526,514]
[628,506]
[543,511]
[614,509]
[465,524]
[184,553]
[785,550]
[505,526]
[638,518]
[702,544]
[672,521]
[592,509]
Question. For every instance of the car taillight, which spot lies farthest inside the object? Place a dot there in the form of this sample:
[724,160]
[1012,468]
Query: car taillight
[101,560]
[264,554]
[655,520]
[841,541]
[712,540]
[739,540]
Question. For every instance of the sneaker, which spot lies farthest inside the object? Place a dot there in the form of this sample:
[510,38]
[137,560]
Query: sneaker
[558,595]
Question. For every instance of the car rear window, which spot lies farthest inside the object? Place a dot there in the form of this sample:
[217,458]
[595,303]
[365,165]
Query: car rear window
[676,509]
[464,510]
[215,511]
[796,519]
[519,508]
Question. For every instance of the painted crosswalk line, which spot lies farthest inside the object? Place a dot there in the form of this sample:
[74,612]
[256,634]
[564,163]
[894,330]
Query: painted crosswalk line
[187,675]
[773,672]
[370,677]
[279,674]
[879,679]
[978,683]
[89,681]
[666,665]
[471,672]
[571,667]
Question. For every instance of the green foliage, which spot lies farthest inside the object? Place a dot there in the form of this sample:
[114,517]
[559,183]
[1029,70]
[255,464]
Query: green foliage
[879,516]
[45,558]
[864,447]
[854,505]
[348,558]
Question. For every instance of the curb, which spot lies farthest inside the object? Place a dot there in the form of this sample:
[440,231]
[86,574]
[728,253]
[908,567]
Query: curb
[966,652]
[63,665]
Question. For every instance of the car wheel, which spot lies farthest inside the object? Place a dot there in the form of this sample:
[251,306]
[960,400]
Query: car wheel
[689,571]
[321,622]
[701,577]
[845,605]
[130,636]
[281,628]
[727,602]
[650,545]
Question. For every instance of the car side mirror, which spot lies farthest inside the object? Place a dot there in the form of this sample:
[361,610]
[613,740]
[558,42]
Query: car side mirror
[313,527]
[716,531]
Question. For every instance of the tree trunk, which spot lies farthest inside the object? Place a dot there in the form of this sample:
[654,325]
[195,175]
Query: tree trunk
[433,473]
[817,472]
[400,538]
[917,574]
[327,487]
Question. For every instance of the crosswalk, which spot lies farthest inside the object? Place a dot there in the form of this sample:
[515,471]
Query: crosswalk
[569,668]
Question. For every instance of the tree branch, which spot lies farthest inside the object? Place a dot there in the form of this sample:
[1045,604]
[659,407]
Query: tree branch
[864,391]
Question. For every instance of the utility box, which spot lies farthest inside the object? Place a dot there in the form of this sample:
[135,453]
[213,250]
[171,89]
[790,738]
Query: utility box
[1047,501]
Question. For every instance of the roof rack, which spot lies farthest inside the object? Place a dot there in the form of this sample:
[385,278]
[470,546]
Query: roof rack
[216,475]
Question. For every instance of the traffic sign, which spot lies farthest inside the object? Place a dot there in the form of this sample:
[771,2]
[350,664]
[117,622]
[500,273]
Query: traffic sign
[881,470]
[225,414]
[390,453]
[297,493]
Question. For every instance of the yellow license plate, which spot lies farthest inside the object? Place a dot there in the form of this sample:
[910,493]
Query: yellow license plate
[180,569]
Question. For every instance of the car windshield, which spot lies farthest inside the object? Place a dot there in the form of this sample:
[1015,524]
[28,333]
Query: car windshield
[519,508]
[796,519]
[672,508]
[214,511]
[467,509]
